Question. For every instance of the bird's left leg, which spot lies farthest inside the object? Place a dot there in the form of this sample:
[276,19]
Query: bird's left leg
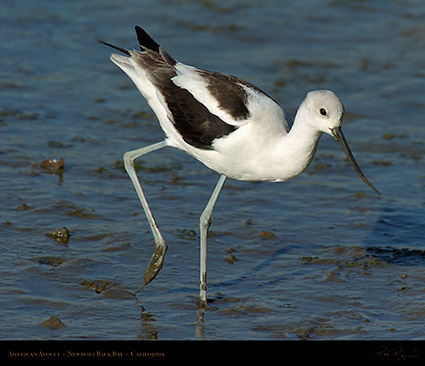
[204,224]
[157,259]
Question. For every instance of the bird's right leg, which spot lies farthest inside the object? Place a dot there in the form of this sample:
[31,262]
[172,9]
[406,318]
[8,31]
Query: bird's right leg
[204,224]
[157,259]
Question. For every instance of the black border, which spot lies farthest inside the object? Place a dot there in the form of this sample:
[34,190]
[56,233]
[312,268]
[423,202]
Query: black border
[277,352]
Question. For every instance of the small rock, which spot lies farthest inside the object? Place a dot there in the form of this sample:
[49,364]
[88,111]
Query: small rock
[52,323]
[231,259]
[23,207]
[51,261]
[99,285]
[247,223]
[52,164]
[61,235]
[267,235]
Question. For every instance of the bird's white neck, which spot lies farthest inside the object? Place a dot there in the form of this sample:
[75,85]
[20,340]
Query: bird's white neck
[298,147]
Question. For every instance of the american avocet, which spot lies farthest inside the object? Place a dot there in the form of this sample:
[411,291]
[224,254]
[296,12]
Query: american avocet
[226,123]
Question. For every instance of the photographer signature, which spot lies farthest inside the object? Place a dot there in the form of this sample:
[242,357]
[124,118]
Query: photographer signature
[395,353]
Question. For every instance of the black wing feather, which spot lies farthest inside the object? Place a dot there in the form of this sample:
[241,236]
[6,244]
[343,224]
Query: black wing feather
[146,41]
[195,123]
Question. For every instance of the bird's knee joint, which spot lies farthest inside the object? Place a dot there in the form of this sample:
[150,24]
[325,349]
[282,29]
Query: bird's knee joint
[205,221]
[128,160]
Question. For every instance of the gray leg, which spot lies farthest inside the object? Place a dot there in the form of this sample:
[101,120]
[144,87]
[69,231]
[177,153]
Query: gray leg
[157,259]
[204,224]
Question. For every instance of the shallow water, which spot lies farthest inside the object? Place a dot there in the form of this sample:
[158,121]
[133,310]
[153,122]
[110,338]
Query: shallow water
[319,257]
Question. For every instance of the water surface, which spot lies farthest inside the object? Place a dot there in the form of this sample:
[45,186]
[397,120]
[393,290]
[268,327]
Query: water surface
[320,257]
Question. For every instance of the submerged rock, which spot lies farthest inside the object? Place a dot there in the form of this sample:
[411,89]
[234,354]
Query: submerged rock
[52,323]
[52,164]
[61,235]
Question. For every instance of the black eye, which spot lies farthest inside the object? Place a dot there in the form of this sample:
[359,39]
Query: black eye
[323,111]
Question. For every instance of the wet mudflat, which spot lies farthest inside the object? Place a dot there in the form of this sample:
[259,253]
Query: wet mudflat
[320,257]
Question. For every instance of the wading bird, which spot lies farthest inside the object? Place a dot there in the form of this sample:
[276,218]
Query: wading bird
[226,123]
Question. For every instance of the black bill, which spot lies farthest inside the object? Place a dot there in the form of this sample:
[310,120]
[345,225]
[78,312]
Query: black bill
[339,137]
